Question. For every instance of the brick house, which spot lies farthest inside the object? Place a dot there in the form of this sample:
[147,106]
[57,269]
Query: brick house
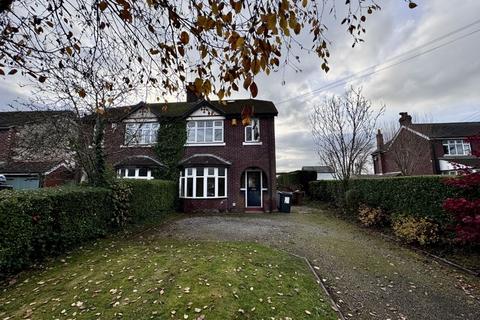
[38,166]
[427,148]
[226,166]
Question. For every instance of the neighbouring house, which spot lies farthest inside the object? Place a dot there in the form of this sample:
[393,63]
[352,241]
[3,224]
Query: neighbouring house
[427,148]
[31,154]
[323,172]
[226,166]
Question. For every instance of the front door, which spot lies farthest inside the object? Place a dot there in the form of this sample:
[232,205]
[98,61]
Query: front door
[254,189]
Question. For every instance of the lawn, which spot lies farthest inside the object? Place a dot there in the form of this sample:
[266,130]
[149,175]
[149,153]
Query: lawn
[141,279]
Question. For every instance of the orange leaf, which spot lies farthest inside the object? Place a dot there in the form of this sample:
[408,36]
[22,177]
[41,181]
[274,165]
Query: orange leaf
[184,37]
[253,89]
[102,5]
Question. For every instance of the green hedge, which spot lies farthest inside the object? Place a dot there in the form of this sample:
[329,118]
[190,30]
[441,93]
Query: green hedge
[38,223]
[296,180]
[420,196]
[150,199]
[44,222]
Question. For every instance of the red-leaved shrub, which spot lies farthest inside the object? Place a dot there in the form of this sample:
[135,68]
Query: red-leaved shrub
[467,209]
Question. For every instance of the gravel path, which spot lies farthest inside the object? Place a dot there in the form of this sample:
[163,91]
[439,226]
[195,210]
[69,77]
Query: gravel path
[370,278]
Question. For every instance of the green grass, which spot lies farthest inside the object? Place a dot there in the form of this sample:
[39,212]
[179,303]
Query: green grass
[138,279]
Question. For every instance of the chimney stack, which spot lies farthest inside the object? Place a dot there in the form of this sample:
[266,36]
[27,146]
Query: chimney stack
[380,142]
[405,119]
[192,96]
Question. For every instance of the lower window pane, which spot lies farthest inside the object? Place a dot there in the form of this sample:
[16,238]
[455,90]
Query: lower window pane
[211,187]
[189,187]
[221,187]
[199,185]
[182,187]
[142,172]
[131,172]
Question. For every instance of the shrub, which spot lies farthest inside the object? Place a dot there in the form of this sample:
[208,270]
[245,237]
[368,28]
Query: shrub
[296,180]
[352,201]
[419,197]
[151,198]
[416,230]
[34,224]
[465,210]
[370,217]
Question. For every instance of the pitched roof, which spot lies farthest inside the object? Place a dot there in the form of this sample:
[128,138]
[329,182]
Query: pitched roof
[204,160]
[27,167]
[447,130]
[140,160]
[319,169]
[15,118]
[228,108]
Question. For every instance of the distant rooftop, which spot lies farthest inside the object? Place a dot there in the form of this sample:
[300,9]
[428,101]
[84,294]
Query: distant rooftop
[319,169]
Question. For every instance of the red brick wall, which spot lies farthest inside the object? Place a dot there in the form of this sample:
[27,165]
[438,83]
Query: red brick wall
[58,177]
[242,157]
[421,146]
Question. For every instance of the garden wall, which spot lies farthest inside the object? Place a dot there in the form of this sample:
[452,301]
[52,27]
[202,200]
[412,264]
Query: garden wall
[39,223]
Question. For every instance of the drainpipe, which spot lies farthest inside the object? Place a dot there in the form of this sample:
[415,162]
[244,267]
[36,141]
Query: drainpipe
[272,149]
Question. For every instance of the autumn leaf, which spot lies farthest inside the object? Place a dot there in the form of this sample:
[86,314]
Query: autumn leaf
[42,79]
[2,72]
[13,71]
[103,5]
[412,5]
[184,37]
[82,93]
[253,89]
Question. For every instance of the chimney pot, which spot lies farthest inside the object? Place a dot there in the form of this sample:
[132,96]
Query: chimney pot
[380,142]
[405,119]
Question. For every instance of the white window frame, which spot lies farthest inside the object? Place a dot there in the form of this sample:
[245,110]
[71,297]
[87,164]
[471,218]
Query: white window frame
[191,173]
[141,130]
[252,141]
[217,124]
[456,144]
[137,176]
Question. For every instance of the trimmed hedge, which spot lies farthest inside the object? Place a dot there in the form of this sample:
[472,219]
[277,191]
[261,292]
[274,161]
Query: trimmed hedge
[44,222]
[35,224]
[296,180]
[420,196]
[151,199]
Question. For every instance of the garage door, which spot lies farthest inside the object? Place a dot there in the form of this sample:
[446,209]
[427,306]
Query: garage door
[24,182]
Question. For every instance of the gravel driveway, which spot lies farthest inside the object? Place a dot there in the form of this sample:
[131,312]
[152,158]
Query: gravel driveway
[370,278]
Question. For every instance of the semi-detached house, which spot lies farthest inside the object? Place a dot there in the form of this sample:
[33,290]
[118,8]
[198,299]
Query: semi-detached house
[227,166]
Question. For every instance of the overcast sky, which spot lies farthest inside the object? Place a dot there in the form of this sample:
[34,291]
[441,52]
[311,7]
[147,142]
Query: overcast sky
[440,80]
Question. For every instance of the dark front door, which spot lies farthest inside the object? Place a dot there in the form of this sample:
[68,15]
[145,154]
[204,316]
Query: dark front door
[254,189]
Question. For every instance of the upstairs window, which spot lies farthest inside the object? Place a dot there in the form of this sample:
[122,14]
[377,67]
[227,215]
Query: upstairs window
[205,131]
[252,131]
[141,133]
[456,148]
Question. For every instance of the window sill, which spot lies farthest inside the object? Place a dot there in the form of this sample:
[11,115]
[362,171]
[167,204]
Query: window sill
[218,144]
[208,198]
[137,145]
[257,143]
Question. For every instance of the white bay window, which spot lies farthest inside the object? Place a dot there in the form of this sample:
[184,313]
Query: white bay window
[203,183]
